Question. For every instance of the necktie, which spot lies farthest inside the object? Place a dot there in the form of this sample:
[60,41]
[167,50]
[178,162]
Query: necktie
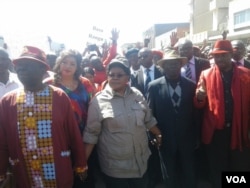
[188,72]
[148,79]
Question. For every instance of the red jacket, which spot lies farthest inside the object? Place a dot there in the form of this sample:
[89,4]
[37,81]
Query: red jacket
[65,136]
[214,114]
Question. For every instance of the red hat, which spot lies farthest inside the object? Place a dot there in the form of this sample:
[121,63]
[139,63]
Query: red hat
[32,53]
[157,52]
[222,46]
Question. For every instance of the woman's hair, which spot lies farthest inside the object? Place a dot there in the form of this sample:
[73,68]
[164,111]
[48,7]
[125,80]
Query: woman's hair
[88,70]
[64,54]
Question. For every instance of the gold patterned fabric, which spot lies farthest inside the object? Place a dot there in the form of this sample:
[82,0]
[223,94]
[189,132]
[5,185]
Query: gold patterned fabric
[34,112]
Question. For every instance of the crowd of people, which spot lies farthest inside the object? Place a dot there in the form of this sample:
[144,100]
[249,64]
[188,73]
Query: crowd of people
[176,117]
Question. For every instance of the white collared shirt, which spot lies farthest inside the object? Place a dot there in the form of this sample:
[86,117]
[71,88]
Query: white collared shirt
[12,84]
[192,67]
[134,72]
[151,73]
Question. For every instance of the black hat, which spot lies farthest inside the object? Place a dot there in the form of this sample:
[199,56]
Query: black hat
[131,51]
[120,64]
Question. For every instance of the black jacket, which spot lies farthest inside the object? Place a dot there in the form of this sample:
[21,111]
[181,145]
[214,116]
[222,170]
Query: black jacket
[137,80]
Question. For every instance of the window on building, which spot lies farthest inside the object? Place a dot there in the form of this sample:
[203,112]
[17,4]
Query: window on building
[242,17]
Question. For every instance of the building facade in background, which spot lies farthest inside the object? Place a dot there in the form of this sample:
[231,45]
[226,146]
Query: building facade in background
[159,35]
[208,20]
[163,41]
[164,29]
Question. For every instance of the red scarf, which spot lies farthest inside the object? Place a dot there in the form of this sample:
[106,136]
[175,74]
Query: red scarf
[240,89]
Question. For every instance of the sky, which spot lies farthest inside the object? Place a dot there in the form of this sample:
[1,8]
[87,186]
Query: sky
[71,21]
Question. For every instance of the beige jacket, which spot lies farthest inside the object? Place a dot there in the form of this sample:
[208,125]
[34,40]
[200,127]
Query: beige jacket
[117,124]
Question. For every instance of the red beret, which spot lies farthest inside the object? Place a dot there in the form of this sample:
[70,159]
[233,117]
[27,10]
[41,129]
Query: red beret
[157,52]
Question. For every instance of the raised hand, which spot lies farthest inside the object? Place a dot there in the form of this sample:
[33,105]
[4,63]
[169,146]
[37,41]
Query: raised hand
[146,40]
[205,42]
[224,34]
[173,39]
[114,34]
[201,92]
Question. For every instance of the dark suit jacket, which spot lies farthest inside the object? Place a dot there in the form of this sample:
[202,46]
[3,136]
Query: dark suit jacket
[200,65]
[246,64]
[138,82]
[178,129]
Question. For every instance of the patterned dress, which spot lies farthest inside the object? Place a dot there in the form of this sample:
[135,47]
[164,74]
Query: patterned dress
[80,98]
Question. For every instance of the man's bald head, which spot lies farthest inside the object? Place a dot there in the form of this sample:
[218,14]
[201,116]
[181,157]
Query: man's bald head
[239,49]
[145,56]
[185,48]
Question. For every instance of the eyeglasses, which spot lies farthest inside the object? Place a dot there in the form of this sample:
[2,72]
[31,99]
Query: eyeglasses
[116,75]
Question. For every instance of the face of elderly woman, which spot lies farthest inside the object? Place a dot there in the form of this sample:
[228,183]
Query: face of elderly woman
[118,79]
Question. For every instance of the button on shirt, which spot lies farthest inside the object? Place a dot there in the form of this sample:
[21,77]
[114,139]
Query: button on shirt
[12,83]
[192,67]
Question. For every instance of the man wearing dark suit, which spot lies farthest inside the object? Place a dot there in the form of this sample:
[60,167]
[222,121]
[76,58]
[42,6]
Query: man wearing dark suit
[239,51]
[171,100]
[196,64]
[139,81]
[146,60]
